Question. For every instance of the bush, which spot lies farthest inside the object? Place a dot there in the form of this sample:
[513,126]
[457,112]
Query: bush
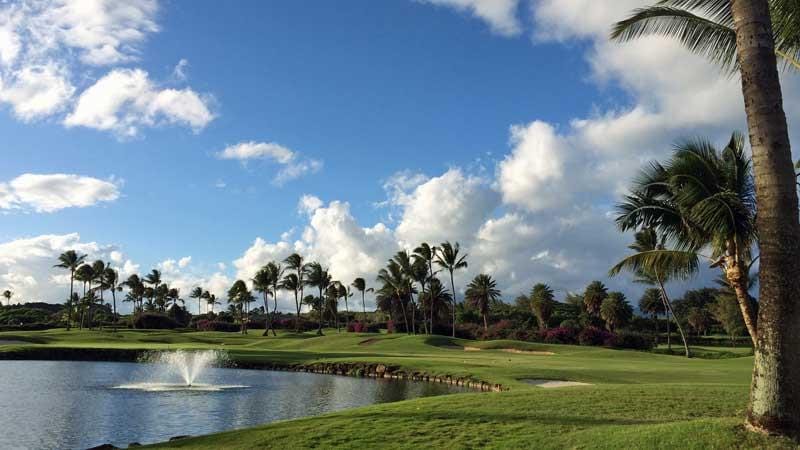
[471,331]
[559,335]
[631,340]
[569,323]
[390,327]
[594,336]
[155,321]
[215,325]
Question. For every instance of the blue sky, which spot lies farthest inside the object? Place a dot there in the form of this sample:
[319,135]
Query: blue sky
[520,107]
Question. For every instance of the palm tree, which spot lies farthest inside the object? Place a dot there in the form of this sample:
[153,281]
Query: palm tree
[275,275]
[699,198]
[542,301]
[136,289]
[652,303]
[654,264]
[615,310]
[154,279]
[111,282]
[211,300]
[447,258]
[318,277]
[396,286]
[70,260]
[332,302]
[7,294]
[344,292]
[481,293]
[593,297]
[295,262]
[361,285]
[428,254]
[86,275]
[437,300]
[240,297]
[774,402]
[290,282]
[197,293]
[404,261]
[262,282]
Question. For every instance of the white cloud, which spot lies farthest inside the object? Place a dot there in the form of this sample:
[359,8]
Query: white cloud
[125,100]
[27,268]
[308,204]
[293,165]
[183,262]
[179,71]
[500,15]
[52,192]
[36,91]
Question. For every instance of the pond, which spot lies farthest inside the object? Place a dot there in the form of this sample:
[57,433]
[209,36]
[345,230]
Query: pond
[70,404]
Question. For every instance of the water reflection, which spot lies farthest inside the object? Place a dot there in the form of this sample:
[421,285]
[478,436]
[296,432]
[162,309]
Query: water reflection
[66,404]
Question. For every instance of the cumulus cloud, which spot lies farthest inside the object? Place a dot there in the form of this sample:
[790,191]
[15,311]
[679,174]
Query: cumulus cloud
[26,265]
[124,100]
[53,192]
[500,15]
[48,47]
[293,164]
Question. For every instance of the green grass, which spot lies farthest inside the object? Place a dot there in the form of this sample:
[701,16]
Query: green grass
[636,400]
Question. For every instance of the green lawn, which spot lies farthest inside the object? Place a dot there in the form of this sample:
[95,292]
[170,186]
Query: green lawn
[636,400]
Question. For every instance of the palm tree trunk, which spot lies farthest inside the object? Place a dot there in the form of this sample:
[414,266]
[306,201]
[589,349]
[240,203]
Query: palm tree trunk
[453,287]
[319,322]
[405,316]
[364,306]
[266,313]
[774,395]
[736,277]
[69,301]
[668,304]
[485,324]
[114,315]
[274,311]
[347,311]
[413,315]
[297,318]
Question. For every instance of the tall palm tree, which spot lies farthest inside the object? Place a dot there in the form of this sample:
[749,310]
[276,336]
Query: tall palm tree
[437,300]
[316,276]
[240,297]
[136,289]
[654,264]
[70,260]
[774,400]
[542,302]
[332,302]
[418,272]
[699,198]
[295,262]
[652,303]
[86,275]
[396,284]
[211,300]
[262,282]
[291,283]
[481,293]
[275,275]
[404,261]
[428,253]
[361,285]
[197,293]
[7,294]
[154,279]
[448,258]
[344,292]
[111,282]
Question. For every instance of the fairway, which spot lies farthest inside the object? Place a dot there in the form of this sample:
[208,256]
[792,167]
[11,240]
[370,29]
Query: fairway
[635,400]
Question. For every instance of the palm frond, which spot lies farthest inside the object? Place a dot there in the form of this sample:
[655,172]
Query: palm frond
[667,263]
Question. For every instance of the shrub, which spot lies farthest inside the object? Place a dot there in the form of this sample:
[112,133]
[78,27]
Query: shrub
[467,331]
[390,326]
[155,321]
[594,336]
[569,323]
[498,330]
[631,340]
[559,335]
[215,325]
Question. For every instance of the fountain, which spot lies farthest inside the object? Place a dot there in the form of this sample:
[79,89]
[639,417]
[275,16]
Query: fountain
[181,370]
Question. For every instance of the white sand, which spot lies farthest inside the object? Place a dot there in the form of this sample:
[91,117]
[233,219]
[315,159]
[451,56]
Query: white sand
[555,383]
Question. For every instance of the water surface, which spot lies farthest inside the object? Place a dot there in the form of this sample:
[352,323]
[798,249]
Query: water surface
[70,404]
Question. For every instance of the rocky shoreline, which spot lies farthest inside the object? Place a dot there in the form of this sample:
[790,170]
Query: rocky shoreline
[359,369]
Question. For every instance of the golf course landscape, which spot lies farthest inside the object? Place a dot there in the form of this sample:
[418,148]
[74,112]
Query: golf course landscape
[632,399]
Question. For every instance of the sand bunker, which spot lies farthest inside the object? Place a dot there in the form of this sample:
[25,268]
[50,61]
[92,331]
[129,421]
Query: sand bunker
[510,350]
[13,342]
[555,383]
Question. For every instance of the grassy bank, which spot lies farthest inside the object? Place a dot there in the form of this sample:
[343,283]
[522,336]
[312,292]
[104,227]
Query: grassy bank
[636,399]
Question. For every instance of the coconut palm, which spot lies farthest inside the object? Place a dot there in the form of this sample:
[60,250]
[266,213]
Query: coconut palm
[654,264]
[361,285]
[418,272]
[774,402]
[344,292]
[405,262]
[481,293]
[70,260]
[295,262]
[136,290]
[427,254]
[197,293]
[332,302]
[7,294]
[448,258]
[211,300]
[395,287]
[262,282]
[275,274]
[111,282]
[542,303]
[615,310]
[154,279]
[240,297]
[86,275]
[437,300]
[699,198]
[316,276]
[593,297]
[291,283]
[706,27]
